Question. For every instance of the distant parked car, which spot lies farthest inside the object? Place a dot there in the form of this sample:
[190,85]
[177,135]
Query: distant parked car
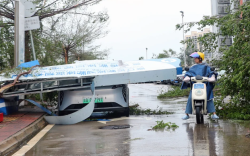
[175,82]
[158,82]
[166,81]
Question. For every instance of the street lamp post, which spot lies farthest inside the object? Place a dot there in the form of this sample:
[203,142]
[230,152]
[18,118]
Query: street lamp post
[146,53]
[182,14]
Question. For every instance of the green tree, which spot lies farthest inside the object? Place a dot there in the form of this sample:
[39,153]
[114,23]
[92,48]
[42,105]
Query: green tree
[44,9]
[6,47]
[141,58]
[166,54]
[189,60]
[75,40]
[234,59]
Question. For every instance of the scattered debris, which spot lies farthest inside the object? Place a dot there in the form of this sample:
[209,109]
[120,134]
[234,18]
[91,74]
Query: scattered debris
[129,140]
[134,106]
[95,119]
[116,127]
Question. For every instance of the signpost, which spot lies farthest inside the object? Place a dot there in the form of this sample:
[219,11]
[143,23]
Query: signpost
[31,24]
[24,8]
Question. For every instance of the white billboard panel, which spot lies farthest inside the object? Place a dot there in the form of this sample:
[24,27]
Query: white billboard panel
[32,23]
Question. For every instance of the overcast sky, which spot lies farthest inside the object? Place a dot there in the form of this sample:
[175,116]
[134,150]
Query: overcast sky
[139,24]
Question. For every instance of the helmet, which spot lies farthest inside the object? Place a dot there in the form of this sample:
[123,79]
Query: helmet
[197,55]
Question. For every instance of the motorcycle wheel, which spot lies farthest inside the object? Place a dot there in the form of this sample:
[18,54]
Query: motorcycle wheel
[199,116]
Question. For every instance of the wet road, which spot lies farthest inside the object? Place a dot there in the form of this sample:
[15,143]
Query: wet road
[224,137]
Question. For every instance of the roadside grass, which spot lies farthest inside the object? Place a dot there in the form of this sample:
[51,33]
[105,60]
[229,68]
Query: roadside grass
[175,91]
[161,125]
[231,110]
[137,110]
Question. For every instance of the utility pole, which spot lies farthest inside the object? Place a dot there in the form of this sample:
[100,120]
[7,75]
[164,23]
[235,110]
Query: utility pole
[185,64]
[19,33]
[146,53]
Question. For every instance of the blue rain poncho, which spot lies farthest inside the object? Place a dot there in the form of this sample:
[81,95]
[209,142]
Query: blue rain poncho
[205,71]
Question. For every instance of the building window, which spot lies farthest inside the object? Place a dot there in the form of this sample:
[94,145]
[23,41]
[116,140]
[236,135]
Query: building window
[226,42]
[223,9]
[224,1]
[236,5]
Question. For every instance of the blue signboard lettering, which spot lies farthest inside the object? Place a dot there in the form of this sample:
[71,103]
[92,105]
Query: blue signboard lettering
[70,72]
[103,65]
[60,73]
[81,73]
[49,74]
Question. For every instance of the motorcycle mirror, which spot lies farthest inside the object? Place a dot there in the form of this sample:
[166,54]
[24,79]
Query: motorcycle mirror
[186,69]
[212,69]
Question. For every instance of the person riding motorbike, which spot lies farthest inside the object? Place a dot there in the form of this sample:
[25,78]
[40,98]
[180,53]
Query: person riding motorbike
[204,70]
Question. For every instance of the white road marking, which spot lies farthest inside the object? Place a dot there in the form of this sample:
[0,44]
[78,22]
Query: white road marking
[103,122]
[33,141]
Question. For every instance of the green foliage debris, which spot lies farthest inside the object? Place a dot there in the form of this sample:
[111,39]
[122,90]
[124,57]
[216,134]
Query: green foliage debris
[136,110]
[161,125]
[8,71]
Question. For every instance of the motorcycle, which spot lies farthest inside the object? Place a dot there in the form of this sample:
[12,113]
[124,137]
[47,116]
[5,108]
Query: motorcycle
[199,96]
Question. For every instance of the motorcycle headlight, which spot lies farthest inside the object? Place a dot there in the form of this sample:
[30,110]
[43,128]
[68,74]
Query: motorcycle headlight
[199,92]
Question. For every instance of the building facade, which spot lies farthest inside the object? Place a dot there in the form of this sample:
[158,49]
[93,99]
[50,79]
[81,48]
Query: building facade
[222,8]
[196,45]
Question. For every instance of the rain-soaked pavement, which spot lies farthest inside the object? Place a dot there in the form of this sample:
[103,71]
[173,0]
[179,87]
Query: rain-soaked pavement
[223,137]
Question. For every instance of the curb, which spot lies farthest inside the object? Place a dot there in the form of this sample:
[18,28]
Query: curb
[21,137]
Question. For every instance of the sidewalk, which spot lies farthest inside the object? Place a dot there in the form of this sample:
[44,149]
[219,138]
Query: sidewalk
[18,128]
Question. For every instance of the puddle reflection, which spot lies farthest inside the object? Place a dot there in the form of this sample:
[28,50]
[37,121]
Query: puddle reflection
[202,138]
